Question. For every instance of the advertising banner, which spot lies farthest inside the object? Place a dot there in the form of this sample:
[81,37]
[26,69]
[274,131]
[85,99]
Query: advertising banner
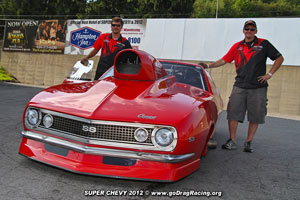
[47,36]
[82,34]
[19,35]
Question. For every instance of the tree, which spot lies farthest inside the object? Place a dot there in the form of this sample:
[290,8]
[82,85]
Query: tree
[165,8]
[246,8]
[147,8]
[41,8]
[284,8]
[141,8]
[108,8]
[204,8]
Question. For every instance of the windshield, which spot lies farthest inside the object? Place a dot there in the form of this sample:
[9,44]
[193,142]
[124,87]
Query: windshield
[187,74]
[108,73]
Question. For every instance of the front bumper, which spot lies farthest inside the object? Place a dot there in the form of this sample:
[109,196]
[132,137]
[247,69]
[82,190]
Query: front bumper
[105,151]
[149,166]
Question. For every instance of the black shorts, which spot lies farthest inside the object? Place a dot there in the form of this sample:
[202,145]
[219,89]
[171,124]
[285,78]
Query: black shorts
[252,101]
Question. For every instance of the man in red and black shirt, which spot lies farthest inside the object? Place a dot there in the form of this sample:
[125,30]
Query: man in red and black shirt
[249,93]
[110,44]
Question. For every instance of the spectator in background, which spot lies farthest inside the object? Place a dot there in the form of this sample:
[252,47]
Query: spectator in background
[46,32]
[53,28]
[60,36]
[110,44]
[249,93]
[41,31]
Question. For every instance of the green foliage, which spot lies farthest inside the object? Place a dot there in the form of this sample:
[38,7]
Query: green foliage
[41,8]
[165,8]
[108,8]
[4,76]
[141,8]
[246,8]
[282,8]
[68,9]
[208,8]
[204,8]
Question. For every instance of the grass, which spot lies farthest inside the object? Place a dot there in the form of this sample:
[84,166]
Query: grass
[4,76]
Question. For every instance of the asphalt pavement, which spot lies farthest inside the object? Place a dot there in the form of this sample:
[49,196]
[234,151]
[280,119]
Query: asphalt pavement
[271,172]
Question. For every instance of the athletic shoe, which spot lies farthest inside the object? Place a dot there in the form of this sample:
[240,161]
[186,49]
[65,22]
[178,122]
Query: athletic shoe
[247,147]
[229,145]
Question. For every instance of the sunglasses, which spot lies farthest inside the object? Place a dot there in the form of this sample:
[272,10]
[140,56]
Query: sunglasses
[249,29]
[117,25]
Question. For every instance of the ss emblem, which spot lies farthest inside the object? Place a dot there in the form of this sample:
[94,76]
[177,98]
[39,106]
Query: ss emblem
[91,129]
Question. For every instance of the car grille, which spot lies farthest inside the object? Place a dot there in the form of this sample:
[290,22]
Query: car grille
[107,132]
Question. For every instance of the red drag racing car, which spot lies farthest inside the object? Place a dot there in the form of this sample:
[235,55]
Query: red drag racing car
[143,119]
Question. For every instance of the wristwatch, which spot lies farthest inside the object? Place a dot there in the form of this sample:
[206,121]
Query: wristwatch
[270,74]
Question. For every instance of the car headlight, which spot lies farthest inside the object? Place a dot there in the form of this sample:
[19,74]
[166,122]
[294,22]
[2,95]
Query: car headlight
[141,134]
[164,137]
[32,117]
[48,121]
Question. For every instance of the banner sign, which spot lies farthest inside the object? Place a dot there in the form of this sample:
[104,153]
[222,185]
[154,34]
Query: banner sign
[47,36]
[134,30]
[82,34]
[84,38]
[19,35]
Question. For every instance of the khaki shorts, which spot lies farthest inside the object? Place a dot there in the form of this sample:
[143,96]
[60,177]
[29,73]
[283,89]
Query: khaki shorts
[252,101]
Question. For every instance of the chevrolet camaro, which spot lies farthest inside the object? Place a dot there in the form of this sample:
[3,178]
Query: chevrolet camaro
[144,119]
